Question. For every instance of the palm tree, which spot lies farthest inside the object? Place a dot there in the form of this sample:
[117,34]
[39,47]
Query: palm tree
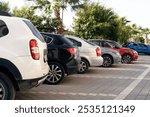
[62,4]
[57,5]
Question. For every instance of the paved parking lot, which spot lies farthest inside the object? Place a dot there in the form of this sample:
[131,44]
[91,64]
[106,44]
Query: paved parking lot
[120,82]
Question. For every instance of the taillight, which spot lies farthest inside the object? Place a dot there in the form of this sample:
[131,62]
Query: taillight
[98,51]
[34,49]
[72,51]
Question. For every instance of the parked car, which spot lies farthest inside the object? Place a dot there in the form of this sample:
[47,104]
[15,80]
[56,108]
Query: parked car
[63,57]
[23,60]
[110,57]
[139,47]
[127,54]
[90,54]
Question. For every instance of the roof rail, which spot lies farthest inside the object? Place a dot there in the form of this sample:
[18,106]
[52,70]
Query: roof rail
[4,13]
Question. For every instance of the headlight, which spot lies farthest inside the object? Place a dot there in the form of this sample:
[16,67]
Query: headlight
[135,52]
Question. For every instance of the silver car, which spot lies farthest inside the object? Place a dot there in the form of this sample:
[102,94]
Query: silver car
[110,57]
[90,53]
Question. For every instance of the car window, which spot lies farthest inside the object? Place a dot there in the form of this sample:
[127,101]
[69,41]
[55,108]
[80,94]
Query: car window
[105,44]
[142,45]
[34,30]
[89,42]
[73,41]
[101,44]
[3,29]
[114,44]
[135,44]
[95,42]
[48,39]
[57,39]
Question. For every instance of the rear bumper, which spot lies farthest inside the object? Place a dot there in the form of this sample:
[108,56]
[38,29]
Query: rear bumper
[96,61]
[34,82]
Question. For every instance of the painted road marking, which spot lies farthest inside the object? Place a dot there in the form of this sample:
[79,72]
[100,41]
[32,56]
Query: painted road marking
[130,88]
[70,93]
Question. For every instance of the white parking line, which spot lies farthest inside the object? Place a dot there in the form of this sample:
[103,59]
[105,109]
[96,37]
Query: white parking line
[128,90]
[117,69]
[71,93]
[104,77]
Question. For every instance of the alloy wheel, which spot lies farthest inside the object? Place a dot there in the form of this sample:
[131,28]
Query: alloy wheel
[83,66]
[55,74]
[126,59]
[107,61]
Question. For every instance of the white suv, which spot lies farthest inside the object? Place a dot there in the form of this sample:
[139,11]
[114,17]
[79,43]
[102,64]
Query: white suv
[90,54]
[23,56]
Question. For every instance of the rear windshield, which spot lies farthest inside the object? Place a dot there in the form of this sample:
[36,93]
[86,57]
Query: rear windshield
[60,39]
[67,40]
[89,42]
[34,30]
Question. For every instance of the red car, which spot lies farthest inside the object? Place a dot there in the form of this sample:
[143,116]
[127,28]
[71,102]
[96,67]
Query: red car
[127,54]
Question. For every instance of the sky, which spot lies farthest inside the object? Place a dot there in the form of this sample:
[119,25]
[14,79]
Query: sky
[136,11]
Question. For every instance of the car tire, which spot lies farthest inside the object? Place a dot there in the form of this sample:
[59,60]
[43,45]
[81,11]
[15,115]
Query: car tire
[107,61]
[83,66]
[56,73]
[126,58]
[7,90]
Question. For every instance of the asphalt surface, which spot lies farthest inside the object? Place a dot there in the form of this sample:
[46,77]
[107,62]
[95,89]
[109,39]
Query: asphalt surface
[119,82]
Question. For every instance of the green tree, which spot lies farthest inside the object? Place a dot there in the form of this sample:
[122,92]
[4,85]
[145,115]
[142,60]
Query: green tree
[56,6]
[140,34]
[95,21]
[62,4]
[123,31]
[4,6]
[43,22]
[28,13]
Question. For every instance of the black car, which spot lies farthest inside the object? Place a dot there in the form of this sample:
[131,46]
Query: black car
[63,57]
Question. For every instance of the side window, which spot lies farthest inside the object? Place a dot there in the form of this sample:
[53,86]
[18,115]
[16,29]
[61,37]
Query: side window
[135,44]
[105,44]
[48,40]
[144,45]
[3,29]
[96,42]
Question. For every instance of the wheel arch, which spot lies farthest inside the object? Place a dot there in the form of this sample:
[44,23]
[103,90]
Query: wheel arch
[63,65]
[110,56]
[11,71]
[126,54]
[86,60]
